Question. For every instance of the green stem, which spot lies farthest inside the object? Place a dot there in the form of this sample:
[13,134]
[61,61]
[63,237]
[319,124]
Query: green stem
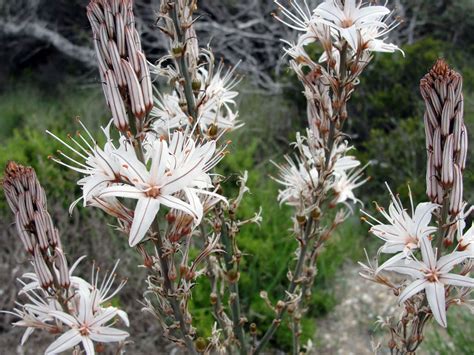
[231,264]
[183,66]
[291,289]
[169,288]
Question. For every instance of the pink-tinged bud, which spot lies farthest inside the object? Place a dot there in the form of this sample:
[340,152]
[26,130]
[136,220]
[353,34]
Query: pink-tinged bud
[429,130]
[29,205]
[61,264]
[437,152]
[462,154]
[120,35]
[26,238]
[455,199]
[97,11]
[93,21]
[103,67]
[117,67]
[436,104]
[132,48]
[457,131]
[10,194]
[134,90]
[130,18]
[431,182]
[446,116]
[115,6]
[115,101]
[447,169]
[109,18]
[41,231]
[45,277]
[22,212]
[104,40]
[439,194]
[145,82]
[54,239]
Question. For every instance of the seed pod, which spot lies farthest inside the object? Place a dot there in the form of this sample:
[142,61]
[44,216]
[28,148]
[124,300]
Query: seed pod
[116,103]
[116,65]
[145,82]
[447,169]
[134,90]
[455,199]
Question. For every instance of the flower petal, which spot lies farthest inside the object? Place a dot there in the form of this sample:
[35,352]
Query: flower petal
[126,191]
[108,335]
[103,316]
[427,252]
[66,341]
[145,213]
[88,345]
[457,280]
[64,317]
[437,301]
[447,262]
[173,202]
[412,289]
[412,268]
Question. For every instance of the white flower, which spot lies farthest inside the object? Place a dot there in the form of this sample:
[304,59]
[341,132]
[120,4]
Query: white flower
[181,167]
[98,165]
[86,327]
[361,26]
[403,231]
[432,275]
[299,182]
[345,182]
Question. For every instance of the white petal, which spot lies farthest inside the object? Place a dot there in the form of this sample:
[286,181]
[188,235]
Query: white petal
[393,260]
[412,289]
[103,316]
[351,35]
[457,280]
[121,191]
[88,346]
[427,252]
[26,335]
[64,317]
[173,202]
[145,213]
[437,301]
[66,341]
[412,268]
[159,161]
[447,262]
[108,335]
[124,316]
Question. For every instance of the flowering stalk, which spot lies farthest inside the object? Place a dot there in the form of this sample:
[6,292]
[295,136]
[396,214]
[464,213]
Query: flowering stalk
[434,287]
[58,301]
[321,176]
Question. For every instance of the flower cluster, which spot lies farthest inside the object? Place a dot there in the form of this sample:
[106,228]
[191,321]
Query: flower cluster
[123,67]
[57,300]
[424,248]
[173,174]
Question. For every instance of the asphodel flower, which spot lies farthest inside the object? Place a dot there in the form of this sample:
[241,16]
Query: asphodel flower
[432,275]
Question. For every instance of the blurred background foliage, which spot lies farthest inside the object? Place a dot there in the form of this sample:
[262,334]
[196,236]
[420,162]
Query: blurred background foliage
[43,89]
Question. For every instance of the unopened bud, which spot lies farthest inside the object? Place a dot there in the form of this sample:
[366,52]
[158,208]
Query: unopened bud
[201,344]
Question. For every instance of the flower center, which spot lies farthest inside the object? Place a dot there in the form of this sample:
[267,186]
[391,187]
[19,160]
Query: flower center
[154,192]
[432,275]
[346,23]
[84,330]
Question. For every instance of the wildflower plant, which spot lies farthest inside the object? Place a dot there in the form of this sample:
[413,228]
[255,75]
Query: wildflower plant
[431,246]
[156,175]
